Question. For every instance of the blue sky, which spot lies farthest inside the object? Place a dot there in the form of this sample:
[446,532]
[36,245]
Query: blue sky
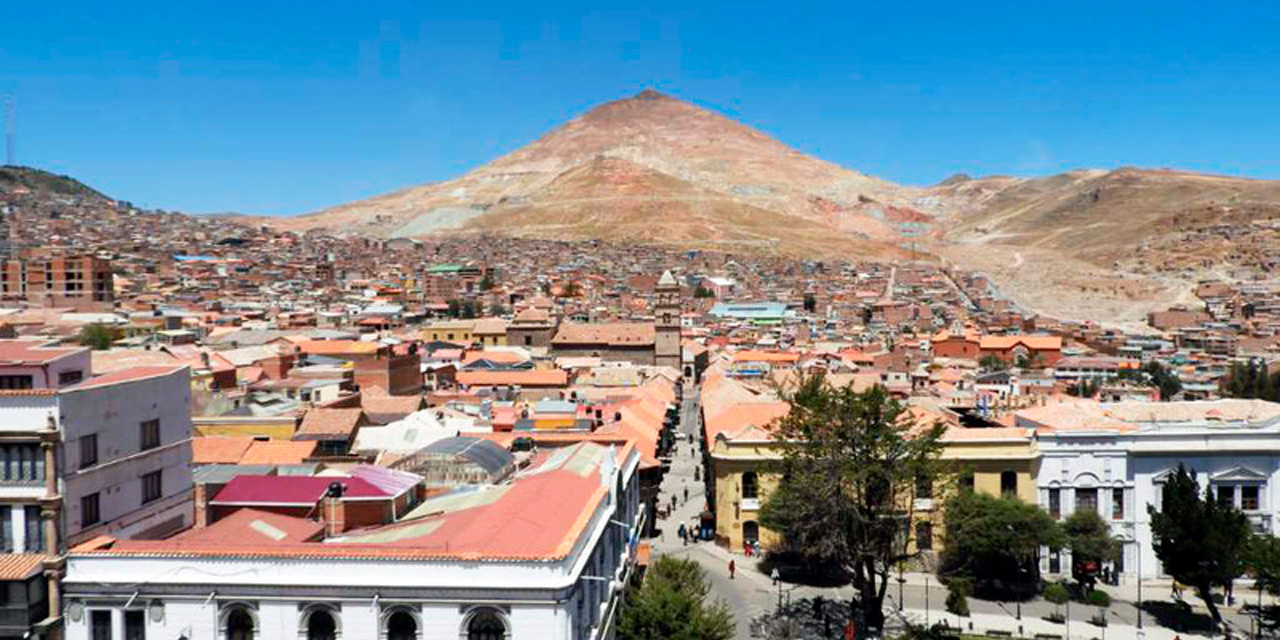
[287,107]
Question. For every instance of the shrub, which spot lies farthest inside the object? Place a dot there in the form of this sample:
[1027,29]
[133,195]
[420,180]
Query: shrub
[957,598]
[1098,598]
[1056,618]
[1057,593]
[1098,620]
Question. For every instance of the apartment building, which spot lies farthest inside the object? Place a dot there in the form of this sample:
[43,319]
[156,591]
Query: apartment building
[82,456]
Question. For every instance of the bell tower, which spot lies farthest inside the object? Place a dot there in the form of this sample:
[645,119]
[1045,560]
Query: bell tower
[666,322]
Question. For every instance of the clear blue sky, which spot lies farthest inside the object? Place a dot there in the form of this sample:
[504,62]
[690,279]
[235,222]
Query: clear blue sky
[285,107]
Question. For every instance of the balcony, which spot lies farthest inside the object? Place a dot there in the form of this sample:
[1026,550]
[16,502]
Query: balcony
[750,504]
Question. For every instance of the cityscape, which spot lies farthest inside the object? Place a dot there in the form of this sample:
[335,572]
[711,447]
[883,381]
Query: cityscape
[653,373]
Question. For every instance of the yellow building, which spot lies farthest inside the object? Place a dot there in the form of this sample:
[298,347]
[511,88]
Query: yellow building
[484,331]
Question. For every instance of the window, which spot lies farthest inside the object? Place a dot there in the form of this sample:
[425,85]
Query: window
[6,529]
[1055,562]
[1249,498]
[135,624]
[21,463]
[1055,503]
[1117,504]
[1009,484]
[966,481]
[528,341]
[33,530]
[401,625]
[924,486]
[239,624]
[88,450]
[924,535]
[150,434]
[16,382]
[151,489]
[750,485]
[70,377]
[89,510]
[1227,495]
[321,625]
[100,625]
[486,625]
[1087,500]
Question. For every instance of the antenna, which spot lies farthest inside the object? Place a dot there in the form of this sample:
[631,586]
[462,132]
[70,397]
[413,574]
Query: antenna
[8,130]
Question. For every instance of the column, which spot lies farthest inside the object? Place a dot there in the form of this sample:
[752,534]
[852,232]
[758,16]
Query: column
[49,513]
[50,466]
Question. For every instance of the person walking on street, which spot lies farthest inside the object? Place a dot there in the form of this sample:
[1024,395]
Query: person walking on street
[731,568]
[775,576]
[686,493]
[684,535]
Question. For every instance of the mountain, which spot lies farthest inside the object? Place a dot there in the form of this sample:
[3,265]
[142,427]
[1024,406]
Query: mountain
[17,180]
[652,168]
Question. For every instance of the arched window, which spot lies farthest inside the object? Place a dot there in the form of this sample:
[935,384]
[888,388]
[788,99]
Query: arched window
[486,624]
[401,625]
[750,485]
[239,623]
[319,622]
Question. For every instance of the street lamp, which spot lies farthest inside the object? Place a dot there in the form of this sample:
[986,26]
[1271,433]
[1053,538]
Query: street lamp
[1137,545]
[901,581]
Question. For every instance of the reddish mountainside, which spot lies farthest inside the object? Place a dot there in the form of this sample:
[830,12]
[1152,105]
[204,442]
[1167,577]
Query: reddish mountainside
[649,167]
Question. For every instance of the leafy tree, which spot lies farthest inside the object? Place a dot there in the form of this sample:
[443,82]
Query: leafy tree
[1251,381]
[853,462]
[486,281]
[98,337]
[1200,542]
[992,362]
[455,308]
[469,309]
[1168,383]
[703,292]
[1089,538]
[994,541]
[1083,389]
[673,603]
[1057,594]
[496,309]
[958,591]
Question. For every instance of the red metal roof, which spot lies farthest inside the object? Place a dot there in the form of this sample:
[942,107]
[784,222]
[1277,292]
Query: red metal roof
[291,490]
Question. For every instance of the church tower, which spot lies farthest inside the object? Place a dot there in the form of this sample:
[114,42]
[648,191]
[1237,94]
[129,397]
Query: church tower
[666,322]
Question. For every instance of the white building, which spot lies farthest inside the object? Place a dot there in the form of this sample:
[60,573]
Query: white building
[82,456]
[1114,458]
[541,557]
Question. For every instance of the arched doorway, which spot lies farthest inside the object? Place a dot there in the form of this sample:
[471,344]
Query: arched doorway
[750,531]
[401,625]
[239,624]
[321,626]
[486,625]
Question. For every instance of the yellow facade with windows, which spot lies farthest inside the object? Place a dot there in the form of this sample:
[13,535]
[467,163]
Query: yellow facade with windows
[741,483]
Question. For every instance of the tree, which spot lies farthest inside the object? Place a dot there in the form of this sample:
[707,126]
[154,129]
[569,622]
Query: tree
[496,309]
[1089,538]
[1083,389]
[673,603]
[958,591]
[992,362]
[468,309]
[1200,542]
[486,281]
[98,337]
[703,292]
[993,542]
[852,464]
[1168,383]
[455,308]
[1057,594]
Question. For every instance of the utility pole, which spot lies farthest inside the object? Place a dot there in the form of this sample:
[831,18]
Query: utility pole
[1138,546]
[9,128]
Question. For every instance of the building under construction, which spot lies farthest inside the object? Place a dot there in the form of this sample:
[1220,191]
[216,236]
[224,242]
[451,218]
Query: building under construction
[80,282]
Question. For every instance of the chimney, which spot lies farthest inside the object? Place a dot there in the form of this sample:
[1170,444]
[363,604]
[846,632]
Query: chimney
[335,511]
[201,498]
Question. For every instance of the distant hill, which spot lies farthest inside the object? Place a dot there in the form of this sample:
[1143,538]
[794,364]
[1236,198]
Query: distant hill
[15,178]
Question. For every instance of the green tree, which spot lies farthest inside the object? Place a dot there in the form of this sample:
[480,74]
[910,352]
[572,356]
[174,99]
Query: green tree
[993,542]
[486,281]
[1200,542]
[455,308]
[703,292]
[1168,383]
[1057,594]
[98,337]
[496,309]
[469,309]
[853,462]
[958,591]
[992,362]
[673,603]
[1089,538]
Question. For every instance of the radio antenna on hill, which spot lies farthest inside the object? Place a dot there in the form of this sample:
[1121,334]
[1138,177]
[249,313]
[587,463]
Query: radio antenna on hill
[8,130]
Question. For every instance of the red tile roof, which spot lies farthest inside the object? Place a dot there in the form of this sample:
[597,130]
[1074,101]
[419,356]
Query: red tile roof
[219,449]
[20,566]
[252,526]
[278,452]
[122,376]
[524,378]
[617,334]
[329,422]
[31,352]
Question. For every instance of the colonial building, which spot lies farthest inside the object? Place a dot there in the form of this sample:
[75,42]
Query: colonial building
[1114,459]
[453,567]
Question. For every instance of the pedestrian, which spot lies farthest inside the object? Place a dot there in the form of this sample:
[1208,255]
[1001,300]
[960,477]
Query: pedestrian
[731,568]
[756,543]
[686,493]
[774,574]
[684,537]
[746,548]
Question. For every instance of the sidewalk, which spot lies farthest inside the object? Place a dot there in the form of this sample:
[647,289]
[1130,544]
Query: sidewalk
[984,624]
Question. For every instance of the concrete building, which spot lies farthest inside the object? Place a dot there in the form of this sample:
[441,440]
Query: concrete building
[83,456]
[78,282]
[1114,458]
[453,567]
